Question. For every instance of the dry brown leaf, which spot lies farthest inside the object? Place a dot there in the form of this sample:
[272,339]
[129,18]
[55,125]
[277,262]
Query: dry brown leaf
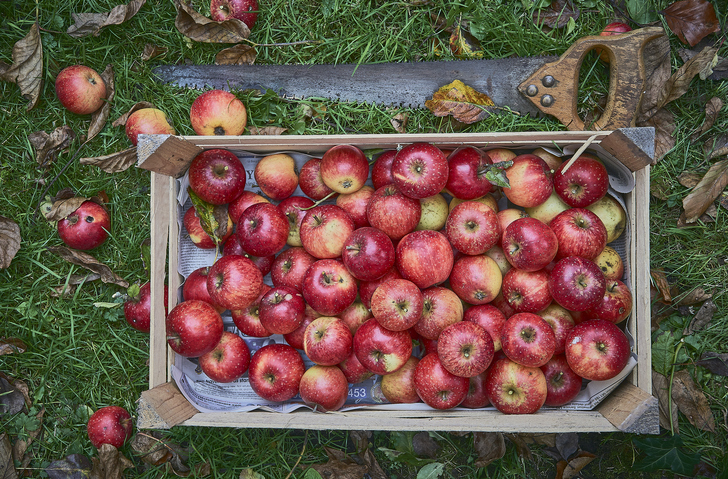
[63,207]
[99,117]
[121,121]
[339,466]
[521,445]
[691,20]
[716,146]
[27,68]
[660,389]
[92,23]
[85,260]
[697,295]
[572,468]
[12,400]
[464,103]
[463,44]
[663,121]
[72,466]
[399,122]
[237,55]
[489,446]
[12,346]
[47,146]
[110,464]
[702,318]
[689,179]
[152,51]
[705,193]
[202,29]
[712,108]
[557,15]
[115,162]
[9,241]
[715,363]
[267,130]
[7,466]
[68,288]
[151,448]
[658,67]
[691,401]
[663,286]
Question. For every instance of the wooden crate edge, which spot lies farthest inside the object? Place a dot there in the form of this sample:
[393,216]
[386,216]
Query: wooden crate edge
[163,407]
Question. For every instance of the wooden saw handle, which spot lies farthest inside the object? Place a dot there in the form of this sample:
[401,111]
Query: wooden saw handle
[554,87]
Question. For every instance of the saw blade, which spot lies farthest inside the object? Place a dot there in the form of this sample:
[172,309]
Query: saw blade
[407,84]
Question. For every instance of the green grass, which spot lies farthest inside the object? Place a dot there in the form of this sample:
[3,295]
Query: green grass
[81,357]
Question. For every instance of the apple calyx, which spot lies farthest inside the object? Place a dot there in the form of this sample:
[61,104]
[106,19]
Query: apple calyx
[471,226]
[331,278]
[467,350]
[220,170]
[528,335]
[219,131]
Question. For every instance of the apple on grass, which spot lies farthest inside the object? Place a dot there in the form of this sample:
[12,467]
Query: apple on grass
[138,308]
[438,387]
[275,372]
[530,181]
[526,291]
[529,244]
[614,28]
[328,287]
[80,89]
[489,318]
[576,283]
[276,176]
[528,339]
[380,350]
[382,169]
[472,228]
[344,168]
[281,310]
[247,198]
[415,258]
[109,425]
[327,341]
[467,168]
[356,205]
[324,388]
[263,229]
[290,266]
[324,231]
[465,349]
[616,305]
[228,361]
[368,253]
[353,370]
[86,228]
[149,121]
[247,320]
[399,386]
[198,235]
[584,182]
[218,112]
[234,282]
[420,170]
[441,308]
[579,233]
[397,304]
[393,212]
[193,328]
[597,349]
[514,388]
[476,279]
[562,383]
[310,181]
[244,10]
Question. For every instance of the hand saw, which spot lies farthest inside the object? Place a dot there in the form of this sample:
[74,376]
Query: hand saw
[532,85]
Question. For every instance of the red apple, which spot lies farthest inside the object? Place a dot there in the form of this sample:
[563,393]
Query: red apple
[583,183]
[218,112]
[577,284]
[110,425]
[614,28]
[472,228]
[247,320]
[380,350]
[324,231]
[198,235]
[324,388]
[149,121]
[276,176]
[295,208]
[344,168]
[477,396]
[80,89]
[528,339]
[290,266]
[193,328]
[561,321]
[597,349]
[244,10]
[526,291]
[476,279]
[328,287]
[232,246]
[355,315]
[399,386]
[616,305]
[529,244]
[467,167]
[550,158]
[137,309]
[234,282]
[392,212]
[530,181]
[515,389]
[353,370]
[382,169]
[281,310]
[367,288]
[86,228]
[228,361]
[611,264]
[327,341]
[295,338]
[262,229]
[508,216]
[368,253]
[310,181]
[499,155]
[275,372]
[441,307]
[502,305]
[356,205]
[438,387]
[562,384]
[465,349]
[415,254]
[242,202]
[397,304]
[489,318]
[420,170]
[499,256]
[263,263]
[580,233]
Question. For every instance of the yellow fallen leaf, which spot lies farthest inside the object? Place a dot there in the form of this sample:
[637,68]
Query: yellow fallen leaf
[461,101]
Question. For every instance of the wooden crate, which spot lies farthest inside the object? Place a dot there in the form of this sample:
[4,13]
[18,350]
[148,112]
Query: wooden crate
[630,408]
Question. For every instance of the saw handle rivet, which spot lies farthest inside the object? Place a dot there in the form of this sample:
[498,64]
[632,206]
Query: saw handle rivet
[548,81]
[532,90]
[547,100]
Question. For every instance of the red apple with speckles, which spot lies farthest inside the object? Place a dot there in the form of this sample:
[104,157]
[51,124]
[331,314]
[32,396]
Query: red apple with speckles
[579,233]
[438,387]
[514,388]
[367,288]
[597,349]
[80,89]
[228,361]
[441,307]
[344,168]
[489,318]
[244,10]
[562,383]
[295,208]
[477,396]
[263,229]
[529,244]
[242,202]
[528,339]
[397,304]
[476,279]
[295,338]
[583,183]
[530,181]
[310,181]
[110,425]
[616,305]
[281,310]
[217,176]
[393,212]
[327,341]
[218,112]
[380,350]
[197,234]
[467,168]
[86,228]
[290,266]
[276,176]
[324,388]
[526,291]
[577,284]
[356,205]
[138,308]
[355,315]
[247,320]
[472,228]
[415,258]
[353,370]
[382,169]
[561,321]
[399,386]
[149,121]
[234,282]
[328,287]
[465,349]
[275,372]
[368,253]
[508,216]
[324,231]
[420,170]
[193,328]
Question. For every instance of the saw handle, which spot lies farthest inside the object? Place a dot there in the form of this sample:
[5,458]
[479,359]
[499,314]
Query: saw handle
[554,87]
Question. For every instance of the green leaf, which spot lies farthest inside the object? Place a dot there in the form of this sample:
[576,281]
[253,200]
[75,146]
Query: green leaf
[496,174]
[431,471]
[641,11]
[405,457]
[133,291]
[251,474]
[312,473]
[663,350]
[665,453]
[213,218]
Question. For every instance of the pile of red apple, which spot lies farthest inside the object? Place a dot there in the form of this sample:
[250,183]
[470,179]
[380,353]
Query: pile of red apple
[509,309]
